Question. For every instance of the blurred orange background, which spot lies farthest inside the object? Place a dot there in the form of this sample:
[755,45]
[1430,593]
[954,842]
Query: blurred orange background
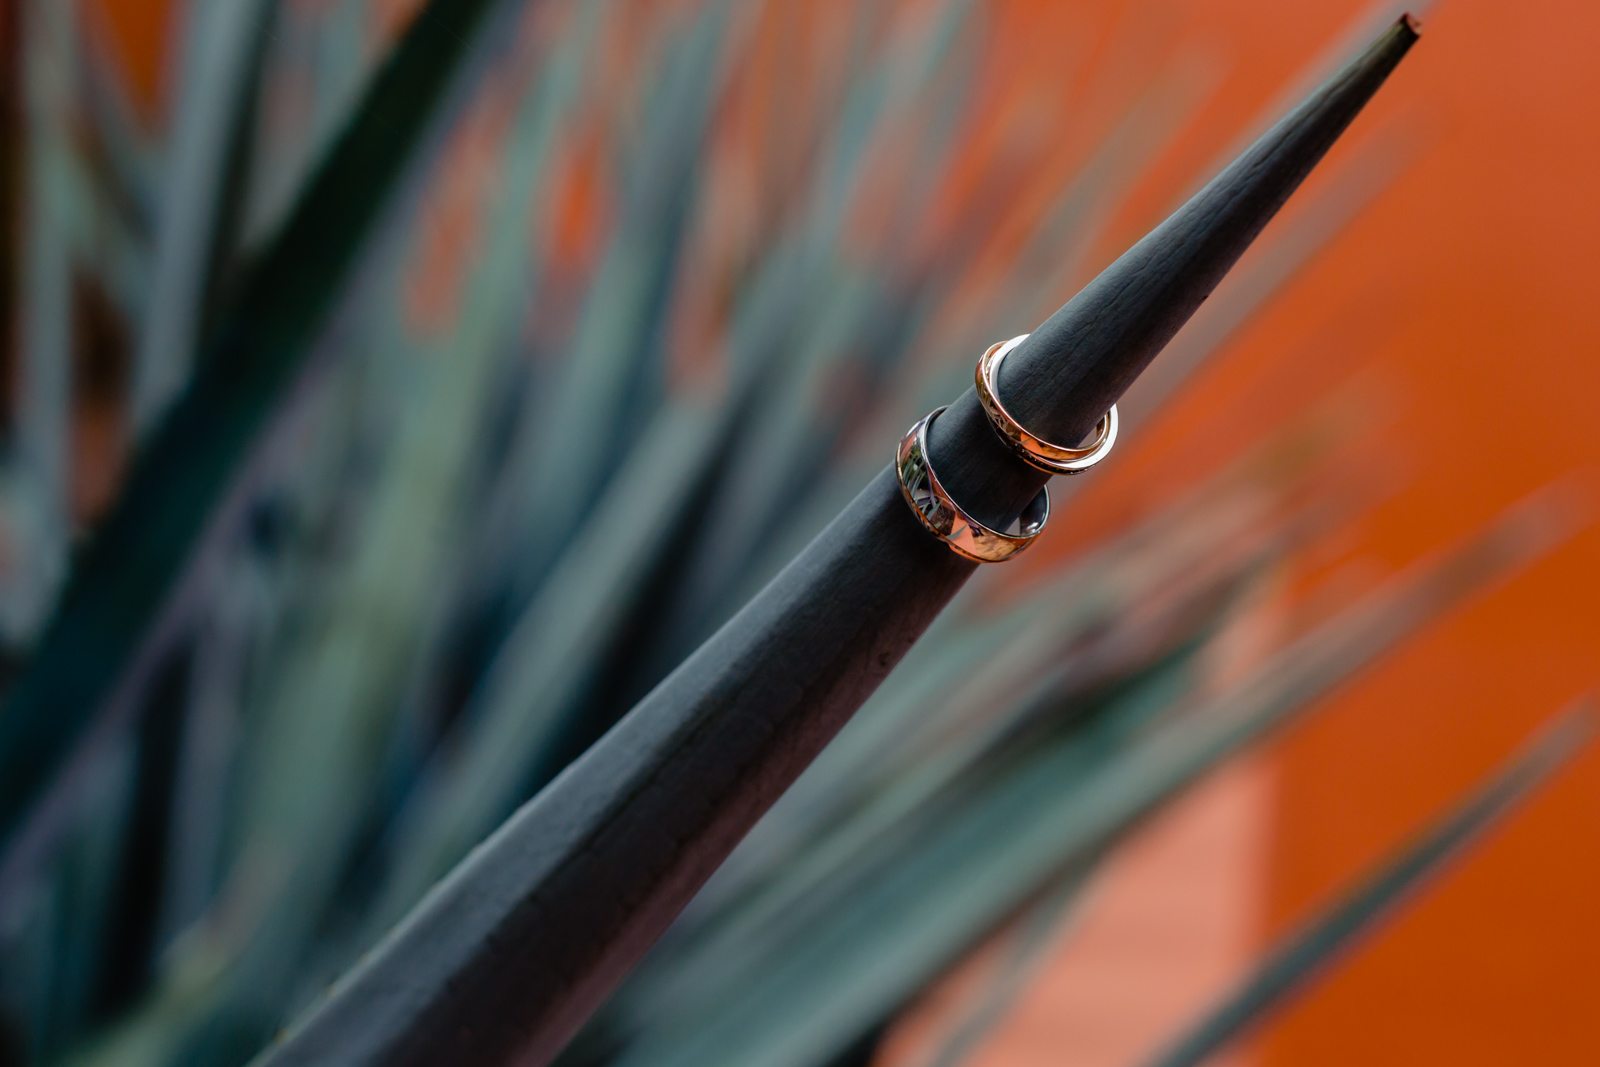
[1466,292]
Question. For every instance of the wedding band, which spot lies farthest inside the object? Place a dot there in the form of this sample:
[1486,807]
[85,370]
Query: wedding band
[944,518]
[1035,451]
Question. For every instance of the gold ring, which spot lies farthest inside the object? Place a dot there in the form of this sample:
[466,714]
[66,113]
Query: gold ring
[1035,451]
[944,518]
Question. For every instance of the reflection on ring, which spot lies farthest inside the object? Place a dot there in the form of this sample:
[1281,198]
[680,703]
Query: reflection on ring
[944,518]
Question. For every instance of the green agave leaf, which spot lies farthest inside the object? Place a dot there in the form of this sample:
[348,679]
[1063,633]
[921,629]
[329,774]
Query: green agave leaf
[54,188]
[126,569]
[845,325]
[1280,253]
[931,730]
[213,726]
[564,454]
[321,56]
[551,659]
[831,970]
[522,712]
[823,976]
[223,39]
[1305,954]
[314,758]
[839,323]
[578,425]
[982,673]
[890,837]
[52,975]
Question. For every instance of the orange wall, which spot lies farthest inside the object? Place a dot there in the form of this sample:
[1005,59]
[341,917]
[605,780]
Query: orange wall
[134,33]
[1490,244]
[1469,292]
[1465,296]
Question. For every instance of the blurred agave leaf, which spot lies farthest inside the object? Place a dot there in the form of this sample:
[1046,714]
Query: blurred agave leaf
[52,936]
[208,750]
[80,265]
[564,451]
[1282,250]
[569,435]
[814,976]
[220,55]
[317,62]
[124,573]
[519,722]
[316,749]
[548,662]
[1302,956]
[981,671]
[848,329]
[37,483]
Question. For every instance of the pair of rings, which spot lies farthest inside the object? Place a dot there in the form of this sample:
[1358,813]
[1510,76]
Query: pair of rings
[944,518]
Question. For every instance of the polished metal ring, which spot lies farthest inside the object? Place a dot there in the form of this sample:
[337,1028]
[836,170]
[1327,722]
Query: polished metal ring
[1035,451]
[944,518]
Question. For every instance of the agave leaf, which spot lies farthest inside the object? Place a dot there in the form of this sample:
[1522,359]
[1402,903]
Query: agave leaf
[972,686]
[608,382]
[820,979]
[52,966]
[1337,929]
[219,67]
[845,326]
[314,760]
[342,644]
[208,753]
[38,483]
[320,57]
[812,986]
[856,334]
[551,658]
[765,329]
[873,844]
[125,155]
[563,455]
[1275,261]
[521,715]
[337,679]
[125,571]
[1127,604]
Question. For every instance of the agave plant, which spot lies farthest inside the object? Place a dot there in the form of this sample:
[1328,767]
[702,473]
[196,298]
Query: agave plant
[477,362]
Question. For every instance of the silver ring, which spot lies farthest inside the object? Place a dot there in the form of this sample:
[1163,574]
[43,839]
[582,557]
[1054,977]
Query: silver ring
[944,518]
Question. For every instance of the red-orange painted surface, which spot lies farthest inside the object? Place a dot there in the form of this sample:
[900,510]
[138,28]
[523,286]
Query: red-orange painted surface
[1484,255]
[1466,298]
[1164,926]
[1469,292]
[135,33]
